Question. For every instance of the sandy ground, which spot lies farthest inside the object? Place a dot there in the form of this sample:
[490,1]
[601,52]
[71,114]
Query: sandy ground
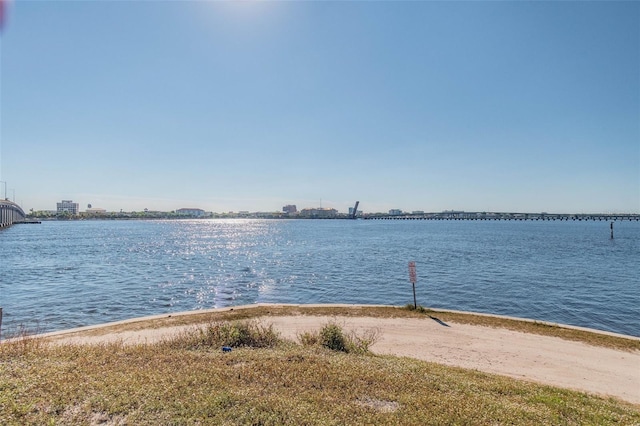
[542,359]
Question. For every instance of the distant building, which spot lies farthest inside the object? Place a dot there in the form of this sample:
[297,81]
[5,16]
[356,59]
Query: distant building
[190,212]
[417,212]
[67,206]
[320,213]
[290,208]
[95,210]
[395,212]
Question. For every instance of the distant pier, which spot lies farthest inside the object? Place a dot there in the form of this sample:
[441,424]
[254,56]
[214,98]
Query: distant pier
[454,215]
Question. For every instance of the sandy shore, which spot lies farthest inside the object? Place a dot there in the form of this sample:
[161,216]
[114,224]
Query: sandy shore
[532,357]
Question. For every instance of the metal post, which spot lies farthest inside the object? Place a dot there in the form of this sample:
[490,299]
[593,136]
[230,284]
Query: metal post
[415,303]
[413,277]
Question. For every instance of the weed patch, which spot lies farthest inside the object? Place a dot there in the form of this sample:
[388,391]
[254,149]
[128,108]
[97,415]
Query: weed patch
[236,334]
[419,308]
[332,336]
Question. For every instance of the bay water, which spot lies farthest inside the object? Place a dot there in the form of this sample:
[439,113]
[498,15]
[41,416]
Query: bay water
[65,274]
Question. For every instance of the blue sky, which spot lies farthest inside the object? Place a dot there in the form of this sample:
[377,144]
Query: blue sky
[228,106]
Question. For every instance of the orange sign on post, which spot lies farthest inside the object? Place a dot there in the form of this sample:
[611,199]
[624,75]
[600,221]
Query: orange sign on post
[412,272]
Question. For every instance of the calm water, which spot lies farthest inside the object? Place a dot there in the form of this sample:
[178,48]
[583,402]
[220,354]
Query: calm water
[59,275]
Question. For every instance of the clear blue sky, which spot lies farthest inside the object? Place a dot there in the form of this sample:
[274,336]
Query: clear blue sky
[228,106]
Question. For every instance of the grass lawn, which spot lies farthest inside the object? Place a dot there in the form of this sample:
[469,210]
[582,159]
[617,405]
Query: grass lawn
[267,381]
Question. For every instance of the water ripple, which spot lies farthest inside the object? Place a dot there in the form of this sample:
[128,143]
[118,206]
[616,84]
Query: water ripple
[66,274]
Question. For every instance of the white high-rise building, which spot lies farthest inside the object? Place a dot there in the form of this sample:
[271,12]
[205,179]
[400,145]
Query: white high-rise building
[67,206]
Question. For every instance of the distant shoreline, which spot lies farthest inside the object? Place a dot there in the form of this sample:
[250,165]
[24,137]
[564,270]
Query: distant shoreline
[443,216]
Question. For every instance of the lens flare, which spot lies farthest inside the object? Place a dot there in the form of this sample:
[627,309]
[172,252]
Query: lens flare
[3,12]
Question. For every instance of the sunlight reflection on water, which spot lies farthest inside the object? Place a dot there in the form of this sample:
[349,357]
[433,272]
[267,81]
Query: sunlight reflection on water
[67,274]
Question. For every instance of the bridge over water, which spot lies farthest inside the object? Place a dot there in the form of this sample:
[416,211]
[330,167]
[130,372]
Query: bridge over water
[505,216]
[10,213]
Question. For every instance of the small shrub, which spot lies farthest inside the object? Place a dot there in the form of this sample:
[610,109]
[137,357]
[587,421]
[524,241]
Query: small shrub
[248,334]
[309,339]
[331,336]
[411,307]
[360,344]
[233,334]
[22,341]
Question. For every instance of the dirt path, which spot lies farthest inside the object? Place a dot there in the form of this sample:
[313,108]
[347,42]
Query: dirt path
[542,359]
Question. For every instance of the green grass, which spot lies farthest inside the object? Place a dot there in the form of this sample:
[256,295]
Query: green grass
[188,380]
